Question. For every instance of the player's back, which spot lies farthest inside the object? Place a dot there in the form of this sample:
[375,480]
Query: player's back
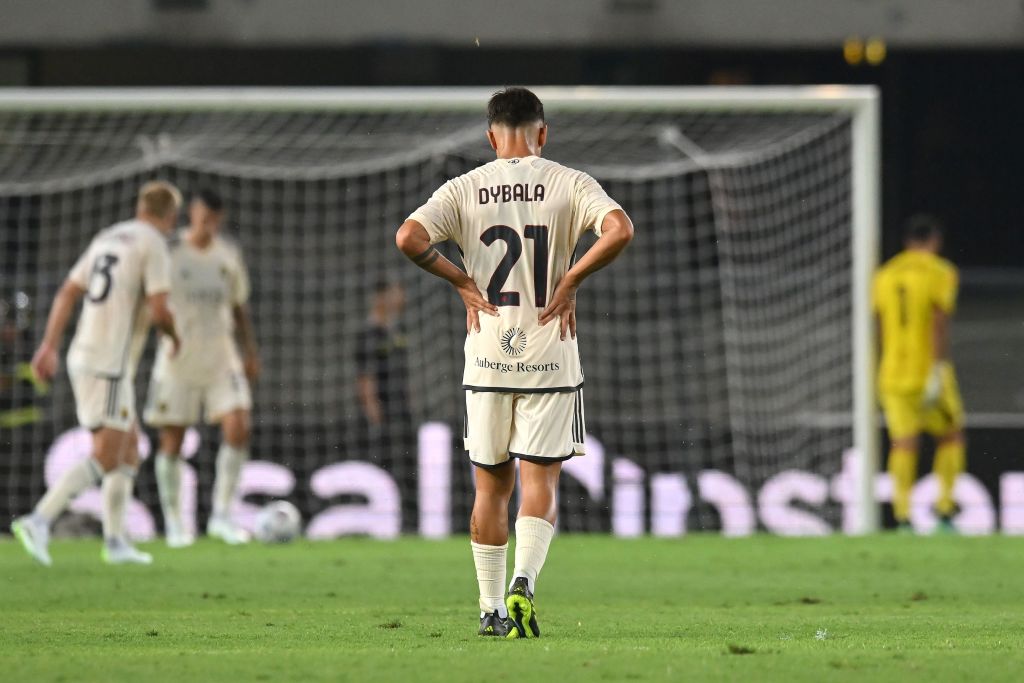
[907,291]
[517,223]
[114,271]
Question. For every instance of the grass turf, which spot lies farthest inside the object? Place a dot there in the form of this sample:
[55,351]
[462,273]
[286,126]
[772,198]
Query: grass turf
[698,608]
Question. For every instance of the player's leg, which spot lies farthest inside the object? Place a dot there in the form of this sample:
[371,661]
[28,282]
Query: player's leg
[903,418]
[33,531]
[229,402]
[488,531]
[117,451]
[487,428]
[547,429]
[231,458]
[171,406]
[950,460]
[167,467]
[945,422]
[116,447]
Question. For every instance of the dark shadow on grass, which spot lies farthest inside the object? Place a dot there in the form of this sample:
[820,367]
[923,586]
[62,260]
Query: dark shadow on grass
[740,649]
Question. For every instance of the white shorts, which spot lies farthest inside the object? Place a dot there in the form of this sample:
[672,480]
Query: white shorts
[175,403]
[533,427]
[103,401]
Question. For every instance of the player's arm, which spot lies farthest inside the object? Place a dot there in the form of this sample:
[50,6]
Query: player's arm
[876,311]
[156,283]
[366,387]
[616,233]
[943,304]
[45,362]
[413,241]
[366,381]
[162,319]
[940,335]
[247,341]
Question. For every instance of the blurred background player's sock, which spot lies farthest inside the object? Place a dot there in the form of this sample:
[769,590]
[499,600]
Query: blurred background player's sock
[902,471]
[949,463]
[117,490]
[490,575]
[168,482]
[75,480]
[533,536]
[229,466]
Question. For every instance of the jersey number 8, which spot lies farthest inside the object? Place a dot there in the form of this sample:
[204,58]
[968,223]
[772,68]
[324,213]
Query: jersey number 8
[101,279]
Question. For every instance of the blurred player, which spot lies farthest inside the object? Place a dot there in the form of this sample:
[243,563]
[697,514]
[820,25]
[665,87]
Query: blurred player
[209,378]
[517,221]
[914,296]
[386,432]
[124,273]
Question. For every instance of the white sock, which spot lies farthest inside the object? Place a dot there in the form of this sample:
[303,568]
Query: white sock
[533,536]
[229,467]
[490,575]
[168,483]
[117,490]
[75,480]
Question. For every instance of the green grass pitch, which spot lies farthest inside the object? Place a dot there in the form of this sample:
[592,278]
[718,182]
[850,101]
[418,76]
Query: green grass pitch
[698,608]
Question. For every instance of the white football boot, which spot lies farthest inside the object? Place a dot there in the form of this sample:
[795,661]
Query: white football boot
[227,531]
[176,536]
[35,538]
[120,551]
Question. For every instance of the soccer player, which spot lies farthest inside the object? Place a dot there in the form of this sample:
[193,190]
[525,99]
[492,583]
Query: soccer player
[123,275]
[517,221]
[386,431]
[914,296]
[209,291]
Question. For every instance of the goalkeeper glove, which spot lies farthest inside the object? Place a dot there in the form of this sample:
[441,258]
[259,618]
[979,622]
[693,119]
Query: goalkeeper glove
[936,380]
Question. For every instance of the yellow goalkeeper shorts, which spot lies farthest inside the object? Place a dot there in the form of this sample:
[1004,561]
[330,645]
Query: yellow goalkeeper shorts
[907,415]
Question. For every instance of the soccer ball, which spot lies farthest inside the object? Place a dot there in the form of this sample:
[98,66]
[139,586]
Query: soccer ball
[278,522]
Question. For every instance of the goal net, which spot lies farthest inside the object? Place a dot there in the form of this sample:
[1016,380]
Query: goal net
[724,376]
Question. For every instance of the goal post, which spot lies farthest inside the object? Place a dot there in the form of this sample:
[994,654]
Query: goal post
[757,212]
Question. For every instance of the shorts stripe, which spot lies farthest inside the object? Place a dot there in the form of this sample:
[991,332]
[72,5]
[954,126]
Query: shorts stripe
[577,419]
[465,415]
[111,397]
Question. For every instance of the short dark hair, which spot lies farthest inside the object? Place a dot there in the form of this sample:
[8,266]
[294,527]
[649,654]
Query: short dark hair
[210,198]
[514,107]
[922,227]
[383,284]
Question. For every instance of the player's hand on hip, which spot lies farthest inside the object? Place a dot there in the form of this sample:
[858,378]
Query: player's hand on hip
[475,305]
[45,363]
[175,343]
[563,307]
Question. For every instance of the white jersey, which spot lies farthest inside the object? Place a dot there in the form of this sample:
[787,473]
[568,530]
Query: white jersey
[517,223]
[123,265]
[206,285]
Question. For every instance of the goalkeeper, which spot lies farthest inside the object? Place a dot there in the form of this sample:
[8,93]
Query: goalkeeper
[914,295]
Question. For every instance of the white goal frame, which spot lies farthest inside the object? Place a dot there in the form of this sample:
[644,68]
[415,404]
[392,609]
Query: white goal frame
[860,102]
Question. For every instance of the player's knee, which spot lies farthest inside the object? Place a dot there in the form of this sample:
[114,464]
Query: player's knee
[496,484]
[171,440]
[953,438]
[113,448]
[906,443]
[236,429]
[237,438]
